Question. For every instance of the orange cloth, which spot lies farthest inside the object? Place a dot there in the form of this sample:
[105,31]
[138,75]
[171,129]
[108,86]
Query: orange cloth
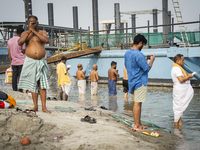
[12,101]
[183,71]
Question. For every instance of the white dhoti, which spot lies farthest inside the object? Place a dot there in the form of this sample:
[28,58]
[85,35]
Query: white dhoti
[66,88]
[182,95]
[94,87]
[82,86]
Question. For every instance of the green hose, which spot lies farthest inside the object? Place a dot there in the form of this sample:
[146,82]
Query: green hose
[65,108]
[117,116]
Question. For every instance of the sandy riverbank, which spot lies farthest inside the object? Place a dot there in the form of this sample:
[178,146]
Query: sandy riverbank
[107,133]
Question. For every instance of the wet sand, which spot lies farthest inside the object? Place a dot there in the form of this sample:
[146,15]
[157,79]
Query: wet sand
[107,133]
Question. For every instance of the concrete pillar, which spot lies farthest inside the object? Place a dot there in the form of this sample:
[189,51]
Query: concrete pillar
[133,21]
[117,17]
[165,20]
[155,20]
[95,16]
[169,21]
[28,12]
[50,14]
[122,27]
[75,17]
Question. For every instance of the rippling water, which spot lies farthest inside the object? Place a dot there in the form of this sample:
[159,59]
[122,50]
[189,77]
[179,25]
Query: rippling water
[157,108]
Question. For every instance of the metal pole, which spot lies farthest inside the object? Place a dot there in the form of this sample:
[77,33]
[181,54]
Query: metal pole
[169,21]
[165,20]
[28,12]
[155,20]
[89,37]
[126,35]
[172,31]
[80,39]
[50,14]
[75,17]
[95,16]
[117,17]
[199,29]
[148,33]
[107,39]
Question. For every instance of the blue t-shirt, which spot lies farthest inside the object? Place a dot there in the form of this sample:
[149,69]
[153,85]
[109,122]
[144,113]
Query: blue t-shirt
[137,69]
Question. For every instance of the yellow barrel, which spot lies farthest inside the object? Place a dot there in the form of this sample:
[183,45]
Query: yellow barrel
[76,45]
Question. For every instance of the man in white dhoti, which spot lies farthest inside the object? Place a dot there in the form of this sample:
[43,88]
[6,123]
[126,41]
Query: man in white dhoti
[182,90]
[81,79]
[94,77]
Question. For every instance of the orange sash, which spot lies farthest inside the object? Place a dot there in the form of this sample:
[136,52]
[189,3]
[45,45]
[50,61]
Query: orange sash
[183,71]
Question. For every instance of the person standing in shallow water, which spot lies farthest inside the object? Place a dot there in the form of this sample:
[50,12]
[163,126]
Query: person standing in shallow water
[112,79]
[182,89]
[81,79]
[137,69]
[94,77]
[63,78]
[34,75]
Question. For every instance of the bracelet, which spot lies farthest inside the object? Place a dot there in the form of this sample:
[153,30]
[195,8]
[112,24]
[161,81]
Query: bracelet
[27,33]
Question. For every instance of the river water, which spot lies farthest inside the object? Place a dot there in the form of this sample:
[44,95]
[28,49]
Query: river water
[157,109]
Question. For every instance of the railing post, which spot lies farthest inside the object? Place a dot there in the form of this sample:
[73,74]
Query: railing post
[126,35]
[148,33]
[107,39]
[199,29]
[80,39]
[172,31]
[89,37]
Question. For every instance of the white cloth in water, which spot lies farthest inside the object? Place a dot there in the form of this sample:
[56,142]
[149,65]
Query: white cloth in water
[94,87]
[66,88]
[182,94]
[81,86]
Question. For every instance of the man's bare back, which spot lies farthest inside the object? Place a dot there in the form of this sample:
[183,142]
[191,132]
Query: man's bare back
[112,72]
[80,74]
[94,77]
[35,40]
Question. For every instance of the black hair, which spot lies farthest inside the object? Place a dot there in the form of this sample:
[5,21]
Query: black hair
[139,38]
[32,17]
[113,63]
[177,57]
[63,58]
[20,30]
[79,66]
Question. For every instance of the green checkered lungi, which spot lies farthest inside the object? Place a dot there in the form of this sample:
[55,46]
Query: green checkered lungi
[33,71]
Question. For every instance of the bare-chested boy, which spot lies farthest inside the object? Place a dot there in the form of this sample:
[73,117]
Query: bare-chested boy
[81,79]
[34,75]
[94,77]
[125,82]
[112,78]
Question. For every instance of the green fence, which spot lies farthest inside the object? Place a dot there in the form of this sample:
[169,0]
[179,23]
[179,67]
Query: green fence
[117,40]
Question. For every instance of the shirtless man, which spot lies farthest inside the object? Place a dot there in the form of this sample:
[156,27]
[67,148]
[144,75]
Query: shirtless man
[112,78]
[125,82]
[94,78]
[34,75]
[81,79]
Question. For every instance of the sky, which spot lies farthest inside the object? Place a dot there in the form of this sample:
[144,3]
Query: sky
[13,10]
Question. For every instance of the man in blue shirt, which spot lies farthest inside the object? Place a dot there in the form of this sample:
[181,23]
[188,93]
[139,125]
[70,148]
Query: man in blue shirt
[137,70]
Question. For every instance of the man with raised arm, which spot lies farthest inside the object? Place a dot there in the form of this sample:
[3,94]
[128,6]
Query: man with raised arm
[94,77]
[112,79]
[81,79]
[182,90]
[34,75]
[137,69]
